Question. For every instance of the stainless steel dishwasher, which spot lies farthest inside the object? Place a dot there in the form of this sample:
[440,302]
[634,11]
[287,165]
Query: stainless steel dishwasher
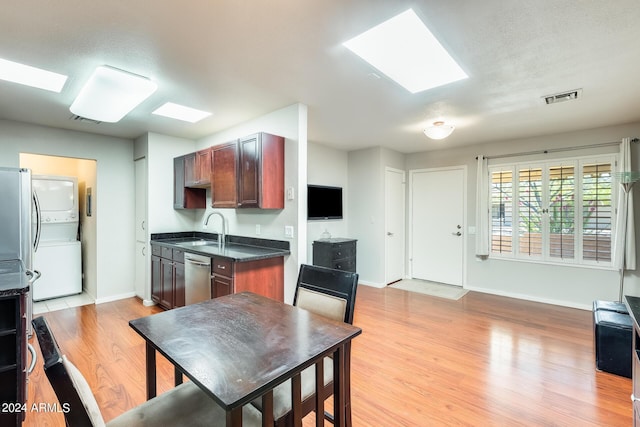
[197,277]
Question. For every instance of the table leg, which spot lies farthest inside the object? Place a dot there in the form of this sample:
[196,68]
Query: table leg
[347,384]
[178,376]
[320,393]
[151,372]
[234,417]
[338,387]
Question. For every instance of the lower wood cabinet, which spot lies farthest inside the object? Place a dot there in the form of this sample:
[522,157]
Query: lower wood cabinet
[264,277]
[167,276]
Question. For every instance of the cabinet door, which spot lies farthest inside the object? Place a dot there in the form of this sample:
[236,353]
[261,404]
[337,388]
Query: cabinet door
[156,279]
[261,172]
[224,183]
[178,295]
[203,167]
[221,286]
[166,295]
[190,169]
[178,183]
[248,185]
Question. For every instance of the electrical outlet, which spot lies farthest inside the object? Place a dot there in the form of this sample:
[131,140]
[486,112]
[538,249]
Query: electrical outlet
[288,231]
[290,193]
[257,229]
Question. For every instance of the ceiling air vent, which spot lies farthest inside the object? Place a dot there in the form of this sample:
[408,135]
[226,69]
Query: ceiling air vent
[83,119]
[562,97]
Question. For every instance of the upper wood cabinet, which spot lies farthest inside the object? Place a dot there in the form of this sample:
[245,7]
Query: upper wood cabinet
[184,197]
[246,173]
[261,171]
[198,169]
[224,185]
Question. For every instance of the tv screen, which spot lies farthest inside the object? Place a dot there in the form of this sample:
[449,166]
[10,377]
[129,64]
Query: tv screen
[324,202]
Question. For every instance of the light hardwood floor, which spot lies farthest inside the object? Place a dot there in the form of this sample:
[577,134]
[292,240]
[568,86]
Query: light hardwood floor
[420,361]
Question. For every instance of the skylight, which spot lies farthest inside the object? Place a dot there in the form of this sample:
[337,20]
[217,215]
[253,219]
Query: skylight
[404,49]
[31,76]
[180,112]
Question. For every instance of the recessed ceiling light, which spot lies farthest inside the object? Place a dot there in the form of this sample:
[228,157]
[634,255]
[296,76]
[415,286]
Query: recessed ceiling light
[404,49]
[181,112]
[31,76]
[110,94]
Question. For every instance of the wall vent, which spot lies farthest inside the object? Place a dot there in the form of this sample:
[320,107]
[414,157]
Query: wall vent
[562,97]
[84,119]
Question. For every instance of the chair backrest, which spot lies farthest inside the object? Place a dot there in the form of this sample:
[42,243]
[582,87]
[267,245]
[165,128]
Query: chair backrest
[74,394]
[327,292]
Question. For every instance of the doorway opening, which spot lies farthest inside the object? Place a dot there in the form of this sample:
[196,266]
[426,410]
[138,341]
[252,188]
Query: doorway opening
[85,171]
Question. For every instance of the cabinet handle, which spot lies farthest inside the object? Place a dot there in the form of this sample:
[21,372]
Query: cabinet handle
[144,253]
[221,267]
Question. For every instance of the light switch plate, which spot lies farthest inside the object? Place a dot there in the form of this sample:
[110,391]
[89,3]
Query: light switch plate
[288,231]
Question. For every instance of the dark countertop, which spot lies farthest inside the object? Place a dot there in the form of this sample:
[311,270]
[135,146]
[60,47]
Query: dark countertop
[633,305]
[237,248]
[335,240]
[13,278]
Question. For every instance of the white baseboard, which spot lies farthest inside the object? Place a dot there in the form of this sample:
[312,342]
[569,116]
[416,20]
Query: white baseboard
[373,284]
[530,298]
[115,297]
[148,302]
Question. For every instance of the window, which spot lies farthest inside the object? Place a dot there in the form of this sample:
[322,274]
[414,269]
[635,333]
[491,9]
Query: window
[557,211]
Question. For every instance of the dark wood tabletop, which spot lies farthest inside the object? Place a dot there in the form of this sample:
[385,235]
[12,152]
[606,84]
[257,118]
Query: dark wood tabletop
[239,346]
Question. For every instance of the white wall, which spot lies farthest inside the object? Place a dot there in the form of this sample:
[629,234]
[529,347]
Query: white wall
[562,285]
[327,166]
[113,194]
[291,123]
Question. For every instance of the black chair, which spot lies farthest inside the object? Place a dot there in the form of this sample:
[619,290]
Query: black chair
[332,294]
[184,405]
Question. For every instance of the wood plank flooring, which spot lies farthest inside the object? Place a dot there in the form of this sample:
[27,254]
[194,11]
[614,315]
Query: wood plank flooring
[420,361]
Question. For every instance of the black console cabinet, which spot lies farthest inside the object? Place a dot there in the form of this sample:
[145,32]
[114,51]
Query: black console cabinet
[336,253]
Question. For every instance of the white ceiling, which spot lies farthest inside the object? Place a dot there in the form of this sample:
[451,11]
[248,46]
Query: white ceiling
[241,59]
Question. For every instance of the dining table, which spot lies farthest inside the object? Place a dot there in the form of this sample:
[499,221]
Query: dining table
[239,347]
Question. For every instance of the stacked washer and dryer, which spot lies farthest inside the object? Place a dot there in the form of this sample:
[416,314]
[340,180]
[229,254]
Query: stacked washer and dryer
[59,254]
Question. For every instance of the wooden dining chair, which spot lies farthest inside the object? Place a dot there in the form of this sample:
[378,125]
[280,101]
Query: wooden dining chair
[184,405]
[332,294]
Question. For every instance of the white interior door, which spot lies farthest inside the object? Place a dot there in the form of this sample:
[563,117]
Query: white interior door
[437,225]
[394,225]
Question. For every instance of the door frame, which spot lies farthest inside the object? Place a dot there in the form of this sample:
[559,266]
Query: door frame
[465,227]
[404,222]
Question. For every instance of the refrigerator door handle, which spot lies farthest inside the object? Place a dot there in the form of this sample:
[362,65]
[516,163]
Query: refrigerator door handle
[34,357]
[33,275]
[36,241]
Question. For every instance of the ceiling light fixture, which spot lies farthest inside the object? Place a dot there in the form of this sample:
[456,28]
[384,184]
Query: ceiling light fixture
[110,94]
[31,76]
[406,51]
[439,130]
[181,112]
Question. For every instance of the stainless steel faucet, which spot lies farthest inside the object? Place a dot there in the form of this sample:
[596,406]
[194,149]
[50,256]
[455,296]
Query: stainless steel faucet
[222,237]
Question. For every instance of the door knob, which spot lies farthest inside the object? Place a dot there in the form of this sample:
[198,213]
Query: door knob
[457,233]
[389,233]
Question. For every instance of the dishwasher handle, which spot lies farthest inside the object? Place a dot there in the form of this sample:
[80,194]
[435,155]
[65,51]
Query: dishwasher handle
[197,262]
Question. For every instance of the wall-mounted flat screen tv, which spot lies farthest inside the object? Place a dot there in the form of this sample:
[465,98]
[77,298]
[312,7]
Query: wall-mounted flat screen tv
[324,202]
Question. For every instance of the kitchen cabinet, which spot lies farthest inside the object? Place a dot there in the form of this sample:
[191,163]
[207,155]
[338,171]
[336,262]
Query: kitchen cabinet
[222,277]
[199,169]
[13,358]
[183,196]
[224,182]
[261,171]
[264,277]
[167,276]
